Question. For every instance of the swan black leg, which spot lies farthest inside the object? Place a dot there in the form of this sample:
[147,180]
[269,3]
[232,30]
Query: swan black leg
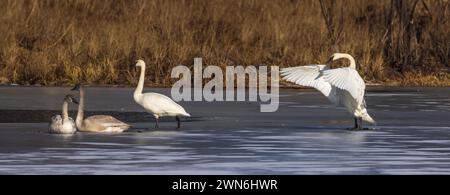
[360,123]
[356,125]
[178,122]
[157,123]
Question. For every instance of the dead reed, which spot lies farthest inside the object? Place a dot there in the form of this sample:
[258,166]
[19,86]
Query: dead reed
[54,42]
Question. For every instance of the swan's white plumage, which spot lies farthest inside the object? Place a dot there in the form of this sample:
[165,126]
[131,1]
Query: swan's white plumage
[309,76]
[160,105]
[342,86]
[346,79]
[157,104]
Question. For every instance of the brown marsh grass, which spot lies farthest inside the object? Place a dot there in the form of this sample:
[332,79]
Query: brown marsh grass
[62,42]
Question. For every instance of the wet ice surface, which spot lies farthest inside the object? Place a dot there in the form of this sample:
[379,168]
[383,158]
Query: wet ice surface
[305,136]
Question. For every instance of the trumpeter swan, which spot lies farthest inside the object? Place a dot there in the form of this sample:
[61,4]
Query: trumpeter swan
[97,123]
[342,86]
[157,104]
[63,124]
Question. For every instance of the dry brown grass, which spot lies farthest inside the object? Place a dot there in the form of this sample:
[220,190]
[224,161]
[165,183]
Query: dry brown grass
[54,42]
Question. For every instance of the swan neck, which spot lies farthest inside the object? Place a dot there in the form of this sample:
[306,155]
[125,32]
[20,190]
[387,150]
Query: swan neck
[65,110]
[352,61]
[140,85]
[80,114]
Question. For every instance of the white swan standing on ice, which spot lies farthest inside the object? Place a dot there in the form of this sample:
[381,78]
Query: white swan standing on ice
[97,123]
[63,124]
[342,86]
[157,104]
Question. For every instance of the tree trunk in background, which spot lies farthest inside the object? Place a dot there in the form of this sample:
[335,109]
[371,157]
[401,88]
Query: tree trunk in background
[335,28]
[399,52]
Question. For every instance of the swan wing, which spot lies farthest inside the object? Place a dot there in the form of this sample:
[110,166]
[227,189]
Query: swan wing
[346,79]
[161,104]
[309,76]
[106,121]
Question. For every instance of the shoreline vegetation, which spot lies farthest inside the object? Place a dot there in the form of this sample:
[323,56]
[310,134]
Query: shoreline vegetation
[61,43]
[369,86]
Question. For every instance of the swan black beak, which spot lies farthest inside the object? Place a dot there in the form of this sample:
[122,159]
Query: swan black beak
[133,66]
[76,88]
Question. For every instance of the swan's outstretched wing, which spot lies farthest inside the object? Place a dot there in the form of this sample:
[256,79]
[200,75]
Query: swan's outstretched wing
[346,79]
[309,76]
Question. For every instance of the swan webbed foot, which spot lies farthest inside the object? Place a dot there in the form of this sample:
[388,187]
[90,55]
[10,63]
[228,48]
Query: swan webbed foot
[356,127]
[353,128]
[370,128]
[361,129]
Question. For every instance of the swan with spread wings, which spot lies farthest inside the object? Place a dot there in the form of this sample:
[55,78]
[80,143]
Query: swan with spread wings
[342,86]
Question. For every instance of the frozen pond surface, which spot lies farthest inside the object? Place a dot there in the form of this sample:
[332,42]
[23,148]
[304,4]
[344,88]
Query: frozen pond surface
[305,136]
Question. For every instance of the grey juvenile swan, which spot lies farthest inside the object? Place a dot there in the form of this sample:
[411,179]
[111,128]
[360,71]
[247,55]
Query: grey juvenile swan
[97,123]
[342,86]
[63,124]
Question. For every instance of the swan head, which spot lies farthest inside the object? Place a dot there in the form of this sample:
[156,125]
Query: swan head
[70,99]
[140,63]
[337,56]
[76,87]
